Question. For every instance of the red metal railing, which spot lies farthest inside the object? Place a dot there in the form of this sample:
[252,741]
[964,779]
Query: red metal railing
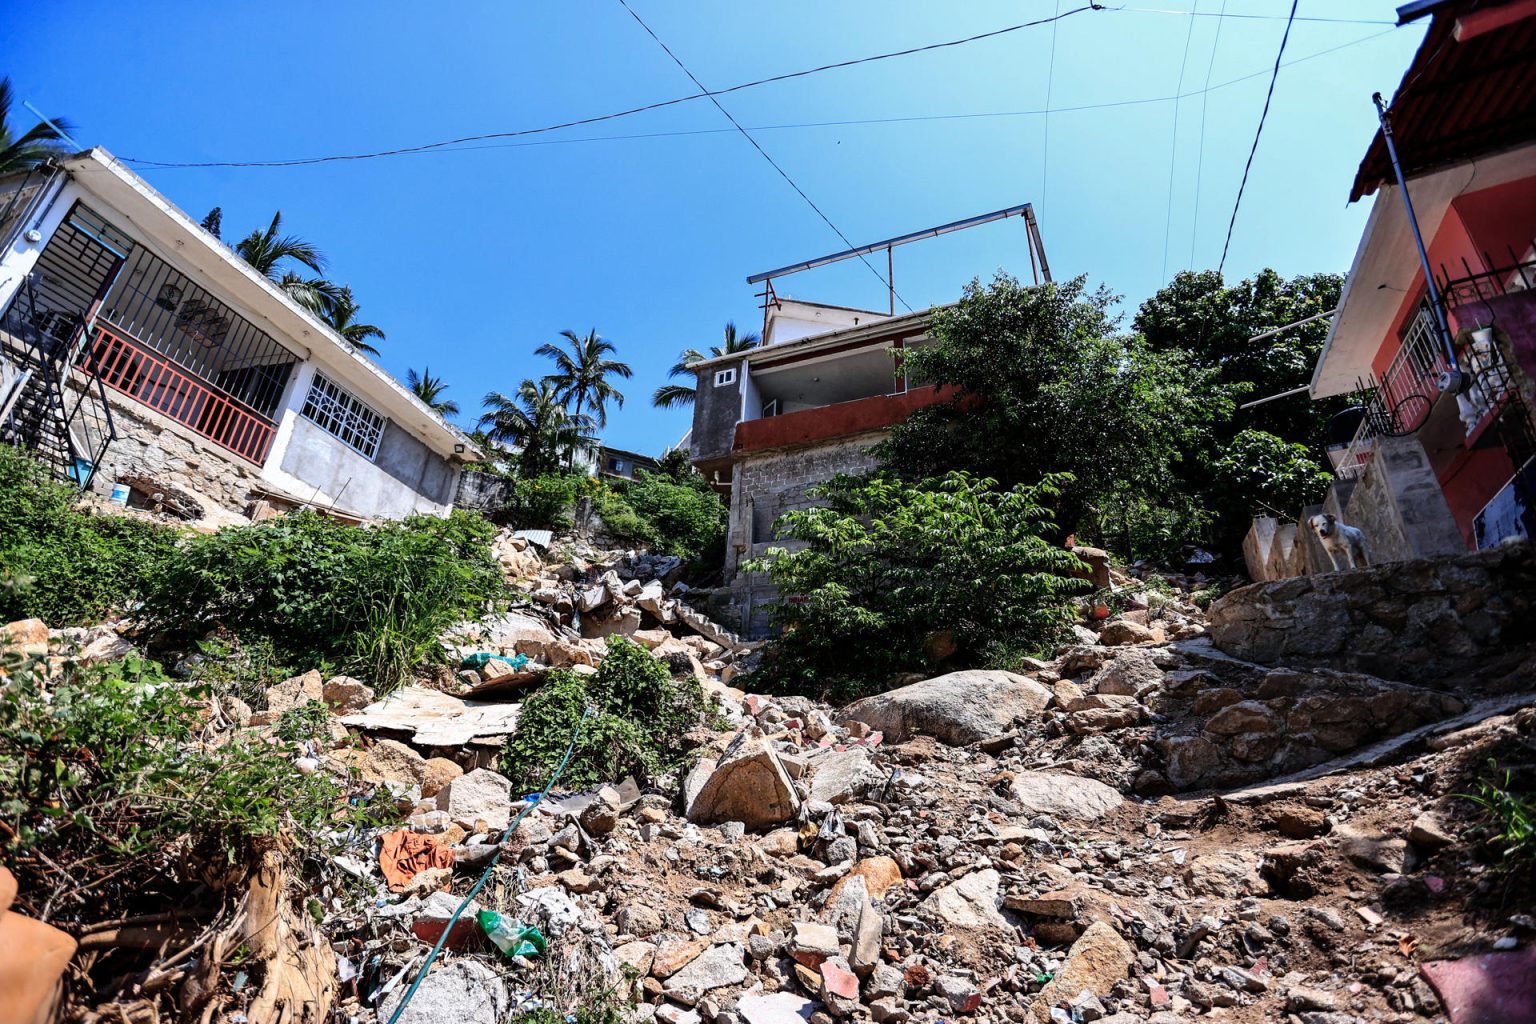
[127,366]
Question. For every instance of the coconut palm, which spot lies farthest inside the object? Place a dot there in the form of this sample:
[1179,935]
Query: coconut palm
[31,148]
[339,310]
[534,421]
[272,254]
[581,375]
[669,396]
[430,390]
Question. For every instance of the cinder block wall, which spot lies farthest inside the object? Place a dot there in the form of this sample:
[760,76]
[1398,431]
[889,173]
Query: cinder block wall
[764,487]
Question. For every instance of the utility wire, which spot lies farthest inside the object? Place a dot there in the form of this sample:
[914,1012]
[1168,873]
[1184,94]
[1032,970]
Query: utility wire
[910,118]
[1253,17]
[1263,115]
[1173,143]
[891,284]
[1194,227]
[1045,142]
[1092,5]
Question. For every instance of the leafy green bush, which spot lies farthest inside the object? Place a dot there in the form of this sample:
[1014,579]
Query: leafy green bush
[371,599]
[541,502]
[104,763]
[1036,381]
[1510,819]
[642,714]
[892,572]
[63,563]
[1261,474]
[684,518]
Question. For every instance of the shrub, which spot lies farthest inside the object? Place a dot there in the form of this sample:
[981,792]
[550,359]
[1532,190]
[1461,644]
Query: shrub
[103,763]
[1509,811]
[641,716]
[63,563]
[892,572]
[541,502]
[1261,474]
[684,518]
[372,599]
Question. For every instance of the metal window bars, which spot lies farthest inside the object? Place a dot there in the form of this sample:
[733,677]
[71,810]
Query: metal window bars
[340,413]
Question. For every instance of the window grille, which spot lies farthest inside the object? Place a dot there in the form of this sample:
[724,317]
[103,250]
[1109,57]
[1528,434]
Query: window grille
[338,412]
[724,377]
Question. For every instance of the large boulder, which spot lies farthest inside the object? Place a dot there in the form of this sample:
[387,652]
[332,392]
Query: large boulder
[748,784]
[1063,796]
[481,795]
[972,903]
[1097,960]
[958,708]
[844,775]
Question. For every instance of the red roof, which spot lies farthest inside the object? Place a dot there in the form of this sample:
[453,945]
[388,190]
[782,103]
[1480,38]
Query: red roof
[1470,90]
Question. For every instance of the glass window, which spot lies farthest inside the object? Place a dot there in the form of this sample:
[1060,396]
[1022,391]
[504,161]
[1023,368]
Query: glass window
[340,413]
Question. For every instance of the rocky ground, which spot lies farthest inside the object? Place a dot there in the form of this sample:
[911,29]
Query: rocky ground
[1140,828]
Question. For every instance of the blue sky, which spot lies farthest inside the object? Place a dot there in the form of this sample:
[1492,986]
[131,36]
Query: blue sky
[470,259]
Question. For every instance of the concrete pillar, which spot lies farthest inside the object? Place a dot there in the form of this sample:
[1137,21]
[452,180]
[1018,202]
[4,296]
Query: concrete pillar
[1399,505]
[1257,545]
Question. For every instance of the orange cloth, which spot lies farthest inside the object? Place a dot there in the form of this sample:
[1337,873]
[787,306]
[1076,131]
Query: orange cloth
[403,854]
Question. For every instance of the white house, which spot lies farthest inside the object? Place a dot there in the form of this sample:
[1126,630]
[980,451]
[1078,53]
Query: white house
[139,350]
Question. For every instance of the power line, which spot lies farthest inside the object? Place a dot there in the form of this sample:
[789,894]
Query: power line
[1173,143]
[1092,5]
[1254,17]
[1045,142]
[889,283]
[910,118]
[1263,115]
[1194,227]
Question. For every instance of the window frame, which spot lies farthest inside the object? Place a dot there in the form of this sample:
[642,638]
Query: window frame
[725,377]
[353,410]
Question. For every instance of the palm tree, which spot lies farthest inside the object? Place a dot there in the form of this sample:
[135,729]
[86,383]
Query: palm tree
[339,310]
[270,253]
[534,421]
[582,372]
[670,395]
[36,146]
[430,389]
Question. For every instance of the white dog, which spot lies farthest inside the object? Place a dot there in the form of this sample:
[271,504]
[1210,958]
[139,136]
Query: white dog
[1340,540]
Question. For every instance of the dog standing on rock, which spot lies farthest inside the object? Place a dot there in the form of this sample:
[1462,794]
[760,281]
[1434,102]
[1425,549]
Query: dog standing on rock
[1340,540]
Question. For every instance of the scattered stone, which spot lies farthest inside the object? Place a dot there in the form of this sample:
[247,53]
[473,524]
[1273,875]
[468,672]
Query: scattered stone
[479,796]
[463,991]
[845,775]
[1067,796]
[811,943]
[1096,962]
[959,708]
[716,967]
[973,903]
[748,785]
[775,1008]
[345,694]
[393,761]
[1122,632]
[295,692]
[839,987]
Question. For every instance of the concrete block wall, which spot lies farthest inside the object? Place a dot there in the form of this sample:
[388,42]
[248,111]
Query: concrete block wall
[1400,507]
[765,486]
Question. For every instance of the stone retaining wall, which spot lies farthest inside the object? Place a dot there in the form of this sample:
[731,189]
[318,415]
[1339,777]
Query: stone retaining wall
[1447,622]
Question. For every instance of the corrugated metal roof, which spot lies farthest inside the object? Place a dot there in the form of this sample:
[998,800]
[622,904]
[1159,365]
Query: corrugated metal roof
[1460,98]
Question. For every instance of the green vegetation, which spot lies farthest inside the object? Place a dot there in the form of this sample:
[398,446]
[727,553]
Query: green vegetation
[1510,820]
[1259,473]
[22,151]
[1039,383]
[105,759]
[66,565]
[894,572]
[641,716]
[674,517]
[671,396]
[373,600]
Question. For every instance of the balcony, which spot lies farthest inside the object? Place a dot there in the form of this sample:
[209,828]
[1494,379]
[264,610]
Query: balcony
[131,368]
[841,419]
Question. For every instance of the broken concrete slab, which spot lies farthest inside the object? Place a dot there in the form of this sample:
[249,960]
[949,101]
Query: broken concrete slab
[432,718]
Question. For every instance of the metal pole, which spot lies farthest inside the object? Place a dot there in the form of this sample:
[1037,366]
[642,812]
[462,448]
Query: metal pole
[890,278]
[60,132]
[1441,325]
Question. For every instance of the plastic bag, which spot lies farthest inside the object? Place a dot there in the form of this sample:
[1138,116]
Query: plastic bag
[482,657]
[512,937]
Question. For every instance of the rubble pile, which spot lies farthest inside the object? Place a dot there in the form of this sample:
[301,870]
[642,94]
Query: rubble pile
[1140,828]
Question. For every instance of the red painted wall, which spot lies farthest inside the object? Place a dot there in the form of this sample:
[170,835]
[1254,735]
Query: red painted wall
[1499,219]
[1470,481]
[843,419]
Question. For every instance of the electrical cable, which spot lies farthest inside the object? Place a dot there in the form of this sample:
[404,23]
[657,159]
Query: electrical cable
[854,122]
[1173,143]
[1254,17]
[891,284]
[1092,5]
[437,948]
[1194,227]
[1045,142]
[1263,116]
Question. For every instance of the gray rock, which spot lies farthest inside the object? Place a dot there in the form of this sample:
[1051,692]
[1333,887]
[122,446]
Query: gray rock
[777,1008]
[973,902]
[845,775]
[1064,796]
[1130,673]
[959,708]
[748,785]
[716,967]
[463,991]
[480,795]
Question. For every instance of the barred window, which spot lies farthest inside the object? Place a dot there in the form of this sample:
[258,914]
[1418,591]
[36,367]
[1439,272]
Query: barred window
[338,412]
